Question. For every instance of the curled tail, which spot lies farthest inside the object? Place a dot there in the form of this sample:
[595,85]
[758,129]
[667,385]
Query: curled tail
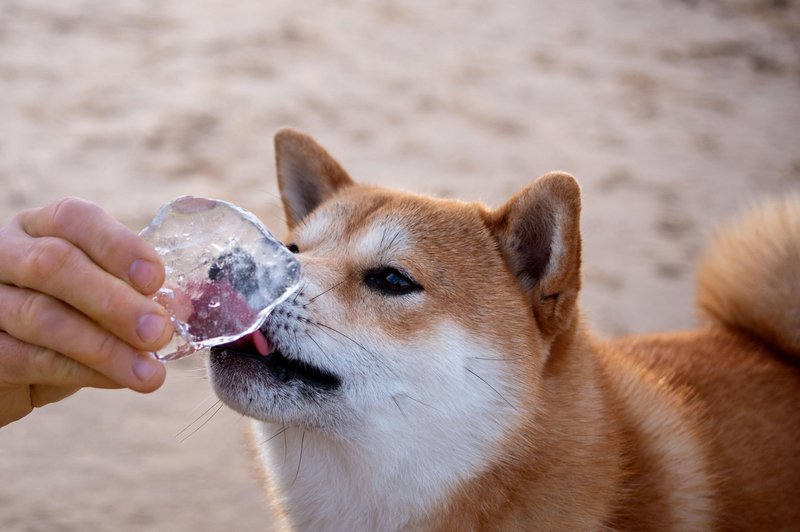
[750,277]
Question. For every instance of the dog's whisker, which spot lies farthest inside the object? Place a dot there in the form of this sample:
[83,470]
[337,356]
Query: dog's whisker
[282,431]
[400,408]
[300,291]
[423,403]
[300,460]
[315,342]
[193,373]
[285,443]
[203,424]
[246,408]
[198,418]
[328,327]
[394,239]
[193,377]
[374,356]
[325,292]
[492,387]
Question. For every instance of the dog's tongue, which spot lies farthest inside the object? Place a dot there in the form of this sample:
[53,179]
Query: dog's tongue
[256,340]
[262,343]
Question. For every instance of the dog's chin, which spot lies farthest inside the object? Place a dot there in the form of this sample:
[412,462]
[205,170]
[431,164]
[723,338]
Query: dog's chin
[266,383]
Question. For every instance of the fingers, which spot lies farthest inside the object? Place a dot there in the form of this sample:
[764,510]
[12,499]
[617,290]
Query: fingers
[36,319]
[43,394]
[23,364]
[17,402]
[74,310]
[107,242]
[55,267]
[75,246]
[23,369]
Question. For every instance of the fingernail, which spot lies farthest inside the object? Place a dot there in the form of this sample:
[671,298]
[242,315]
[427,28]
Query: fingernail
[151,327]
[143,274]
[145,367]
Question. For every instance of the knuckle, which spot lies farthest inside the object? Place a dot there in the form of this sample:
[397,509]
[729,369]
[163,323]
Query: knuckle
[13,359]
[34,311]
[22,215]
[46,257]
[115,302]
[104,350]
[46,362]
[67,211]
[57,367]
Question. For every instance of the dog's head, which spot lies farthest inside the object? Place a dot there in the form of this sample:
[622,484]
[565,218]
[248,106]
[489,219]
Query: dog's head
[412,310]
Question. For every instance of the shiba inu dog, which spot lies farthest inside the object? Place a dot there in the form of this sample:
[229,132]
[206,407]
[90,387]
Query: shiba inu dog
[434,371]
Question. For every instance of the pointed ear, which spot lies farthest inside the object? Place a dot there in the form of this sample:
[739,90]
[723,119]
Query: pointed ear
[539,233]
[307,174]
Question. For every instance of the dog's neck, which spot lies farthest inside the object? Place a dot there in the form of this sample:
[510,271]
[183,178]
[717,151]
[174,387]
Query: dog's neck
[405,460]
[338,485]
[573,426]
[385,481]
[413,469]
[397,473]
[597,442]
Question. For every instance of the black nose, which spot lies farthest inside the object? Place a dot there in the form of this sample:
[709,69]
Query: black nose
[238,268]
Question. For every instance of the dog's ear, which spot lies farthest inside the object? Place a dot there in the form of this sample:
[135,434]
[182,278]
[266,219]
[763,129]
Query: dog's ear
[539,234]
[307,174]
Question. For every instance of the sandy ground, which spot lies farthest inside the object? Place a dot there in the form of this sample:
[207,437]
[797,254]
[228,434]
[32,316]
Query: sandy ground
[673,114]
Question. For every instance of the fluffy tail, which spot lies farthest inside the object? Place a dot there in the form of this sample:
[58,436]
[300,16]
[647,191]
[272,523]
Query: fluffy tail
[750,277]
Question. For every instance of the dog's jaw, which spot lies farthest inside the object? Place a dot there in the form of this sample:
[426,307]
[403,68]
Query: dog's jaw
[290,384]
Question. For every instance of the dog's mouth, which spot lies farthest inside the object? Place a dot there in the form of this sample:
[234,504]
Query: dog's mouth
[281,368]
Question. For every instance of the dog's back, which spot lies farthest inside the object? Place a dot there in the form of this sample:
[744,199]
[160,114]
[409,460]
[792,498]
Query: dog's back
[741,371]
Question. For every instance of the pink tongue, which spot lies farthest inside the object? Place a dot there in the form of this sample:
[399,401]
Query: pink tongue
[262,344]
[255,340]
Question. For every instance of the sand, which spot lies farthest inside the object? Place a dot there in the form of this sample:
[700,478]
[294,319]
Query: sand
[673,114]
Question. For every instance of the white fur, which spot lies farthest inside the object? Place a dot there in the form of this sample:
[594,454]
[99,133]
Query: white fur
[320,227]
[382,240]
[414,438]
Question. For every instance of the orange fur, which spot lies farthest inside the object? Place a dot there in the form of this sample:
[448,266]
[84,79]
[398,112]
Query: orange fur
[750,277]
[696,430]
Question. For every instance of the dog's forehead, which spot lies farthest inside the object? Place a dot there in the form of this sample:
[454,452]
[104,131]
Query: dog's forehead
[383,239]
[375,223]
[368,227]
[322,225]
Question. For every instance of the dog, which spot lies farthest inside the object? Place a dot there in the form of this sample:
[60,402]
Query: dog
[434,371]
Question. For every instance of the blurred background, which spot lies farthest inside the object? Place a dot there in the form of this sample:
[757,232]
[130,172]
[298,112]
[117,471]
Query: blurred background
[673,115]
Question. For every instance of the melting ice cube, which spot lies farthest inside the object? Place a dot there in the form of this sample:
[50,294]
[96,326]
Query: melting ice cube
[225,272]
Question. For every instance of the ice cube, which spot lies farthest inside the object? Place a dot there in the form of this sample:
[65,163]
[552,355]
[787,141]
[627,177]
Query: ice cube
[225,272]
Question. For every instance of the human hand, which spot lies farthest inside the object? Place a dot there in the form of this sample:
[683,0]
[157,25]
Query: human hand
[74,310]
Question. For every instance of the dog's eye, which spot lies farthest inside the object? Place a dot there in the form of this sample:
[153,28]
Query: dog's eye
[390,282]
[293,248]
